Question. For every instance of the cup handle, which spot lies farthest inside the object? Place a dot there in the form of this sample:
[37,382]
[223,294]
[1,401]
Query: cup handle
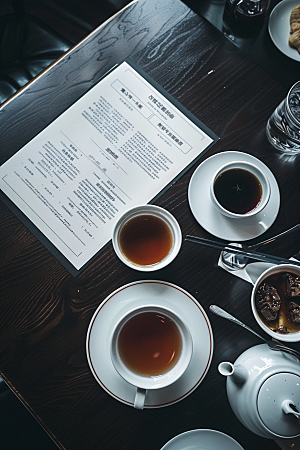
[140,397]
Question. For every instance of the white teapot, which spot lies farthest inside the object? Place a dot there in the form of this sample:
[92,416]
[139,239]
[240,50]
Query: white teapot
[263,388]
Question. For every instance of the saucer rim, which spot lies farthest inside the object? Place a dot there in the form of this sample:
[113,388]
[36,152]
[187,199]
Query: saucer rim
[223,233]
[198,431]
[188,297]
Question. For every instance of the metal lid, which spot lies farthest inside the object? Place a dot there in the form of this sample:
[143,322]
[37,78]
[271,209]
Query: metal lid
[276,390]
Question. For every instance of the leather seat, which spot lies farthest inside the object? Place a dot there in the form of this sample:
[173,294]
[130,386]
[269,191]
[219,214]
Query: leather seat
[27,46]
[34,33]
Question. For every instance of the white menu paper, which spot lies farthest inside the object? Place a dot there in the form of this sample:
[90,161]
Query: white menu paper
[117,147]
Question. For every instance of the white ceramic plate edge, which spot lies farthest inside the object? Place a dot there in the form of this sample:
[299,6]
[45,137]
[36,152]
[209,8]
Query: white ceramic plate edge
[191,440]
[279,27]
[181,388]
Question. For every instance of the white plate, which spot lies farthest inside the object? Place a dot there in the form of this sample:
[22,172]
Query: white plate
[216,223]
[202,440]
[279,27]
[142,293]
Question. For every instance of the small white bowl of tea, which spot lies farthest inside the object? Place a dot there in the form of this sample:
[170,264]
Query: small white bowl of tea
[147,238]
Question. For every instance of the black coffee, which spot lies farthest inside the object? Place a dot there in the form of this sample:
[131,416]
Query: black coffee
[238,190]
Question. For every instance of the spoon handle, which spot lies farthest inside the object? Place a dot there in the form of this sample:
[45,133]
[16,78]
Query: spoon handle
[268,241]
[220,312]
[276,345]
[273,345]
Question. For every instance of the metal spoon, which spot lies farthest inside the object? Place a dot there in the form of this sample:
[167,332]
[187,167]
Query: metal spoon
[273,345]
[235,262]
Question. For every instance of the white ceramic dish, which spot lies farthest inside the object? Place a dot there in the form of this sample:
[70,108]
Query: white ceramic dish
[202,440]
[156,211]
[143,293]
[216,223]
[279,27]
[290,337]
[144,384]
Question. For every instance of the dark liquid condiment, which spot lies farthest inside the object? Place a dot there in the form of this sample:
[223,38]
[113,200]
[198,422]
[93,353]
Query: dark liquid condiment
[247,12]
[238,190]
[145,239]
[150,344]
[245,17]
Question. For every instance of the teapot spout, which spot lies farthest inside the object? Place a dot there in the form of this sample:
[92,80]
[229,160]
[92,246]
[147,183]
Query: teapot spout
[236,371]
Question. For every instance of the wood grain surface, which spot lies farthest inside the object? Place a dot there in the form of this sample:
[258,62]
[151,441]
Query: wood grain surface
[255,42]
[45,312]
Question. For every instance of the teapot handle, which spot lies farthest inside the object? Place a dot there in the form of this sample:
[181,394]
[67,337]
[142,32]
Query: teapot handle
[289,408]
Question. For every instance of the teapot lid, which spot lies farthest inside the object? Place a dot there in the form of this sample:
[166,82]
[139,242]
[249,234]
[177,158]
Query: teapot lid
[274,392]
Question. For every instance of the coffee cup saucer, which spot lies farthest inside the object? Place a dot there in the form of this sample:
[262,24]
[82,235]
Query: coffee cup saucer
[208,439]
[211,219]
[135,295]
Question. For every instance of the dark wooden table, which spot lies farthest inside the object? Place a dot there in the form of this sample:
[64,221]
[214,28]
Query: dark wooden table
[256,43]
[45,312]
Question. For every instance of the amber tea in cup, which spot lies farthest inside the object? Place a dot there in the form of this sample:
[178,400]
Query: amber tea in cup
[147,238]
[150,343]
[151,348]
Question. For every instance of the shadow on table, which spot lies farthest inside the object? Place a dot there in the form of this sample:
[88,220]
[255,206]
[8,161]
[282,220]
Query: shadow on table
[18,428]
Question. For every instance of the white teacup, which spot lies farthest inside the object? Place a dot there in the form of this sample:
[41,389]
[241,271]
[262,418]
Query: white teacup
[151,348]
[147,238]
[239,199]
[276,271]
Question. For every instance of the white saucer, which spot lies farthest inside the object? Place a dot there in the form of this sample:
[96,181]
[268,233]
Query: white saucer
[202,440]
[142,293]
[279,27]
[216,223]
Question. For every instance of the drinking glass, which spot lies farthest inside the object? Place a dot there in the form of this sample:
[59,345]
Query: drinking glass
[283,127]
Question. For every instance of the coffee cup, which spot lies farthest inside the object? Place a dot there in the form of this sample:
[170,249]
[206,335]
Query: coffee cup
[275,302]
[151,348]
[239,190]
[147,238]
